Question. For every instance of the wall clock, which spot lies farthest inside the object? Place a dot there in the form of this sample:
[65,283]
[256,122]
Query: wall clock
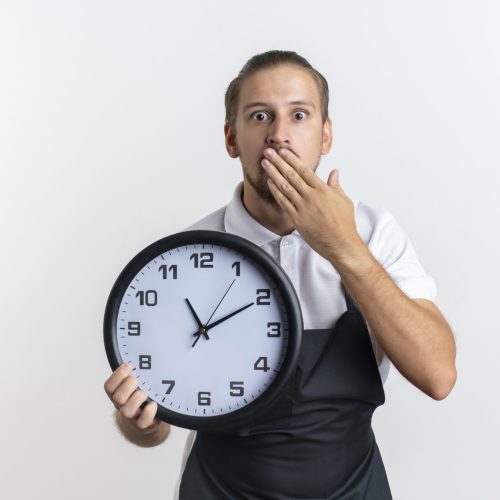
[211,325]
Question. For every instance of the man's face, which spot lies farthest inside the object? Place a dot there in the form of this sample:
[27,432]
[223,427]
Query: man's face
[278,122]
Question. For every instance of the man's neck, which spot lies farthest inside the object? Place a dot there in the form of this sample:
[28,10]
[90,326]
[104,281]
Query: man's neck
[272,218]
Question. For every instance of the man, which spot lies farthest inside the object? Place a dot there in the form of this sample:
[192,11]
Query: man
[365,298]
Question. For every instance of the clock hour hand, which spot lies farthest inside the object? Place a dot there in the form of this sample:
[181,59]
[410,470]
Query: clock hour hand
[194,313]
[202,329]
[219,321]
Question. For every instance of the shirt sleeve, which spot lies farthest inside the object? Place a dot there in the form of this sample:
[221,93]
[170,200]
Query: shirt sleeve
[394,251]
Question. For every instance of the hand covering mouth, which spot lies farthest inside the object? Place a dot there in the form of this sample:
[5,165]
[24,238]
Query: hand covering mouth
[277,150]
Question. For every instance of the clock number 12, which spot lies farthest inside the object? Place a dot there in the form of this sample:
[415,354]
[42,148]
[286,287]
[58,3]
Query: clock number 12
[204,259]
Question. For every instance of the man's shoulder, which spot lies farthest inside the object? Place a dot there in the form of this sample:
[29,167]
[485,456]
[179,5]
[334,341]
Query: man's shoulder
[369,217]
[213,221]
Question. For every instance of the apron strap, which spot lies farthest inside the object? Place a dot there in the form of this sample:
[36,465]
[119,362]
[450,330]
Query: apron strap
[351,306]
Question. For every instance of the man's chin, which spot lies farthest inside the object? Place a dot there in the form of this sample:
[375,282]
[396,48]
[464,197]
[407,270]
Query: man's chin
[264,193]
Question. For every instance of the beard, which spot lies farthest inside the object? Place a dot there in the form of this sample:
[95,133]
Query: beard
[257,178]
[261,187]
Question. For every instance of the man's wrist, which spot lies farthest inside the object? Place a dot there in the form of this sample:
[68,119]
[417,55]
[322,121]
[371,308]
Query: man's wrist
[131,424]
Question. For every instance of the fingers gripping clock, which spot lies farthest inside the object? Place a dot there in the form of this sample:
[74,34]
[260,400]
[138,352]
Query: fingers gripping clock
[221,372]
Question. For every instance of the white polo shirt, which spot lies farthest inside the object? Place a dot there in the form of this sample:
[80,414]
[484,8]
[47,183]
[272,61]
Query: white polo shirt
[314,278]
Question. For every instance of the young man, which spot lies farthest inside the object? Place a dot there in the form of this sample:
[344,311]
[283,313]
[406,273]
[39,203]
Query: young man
[347,260]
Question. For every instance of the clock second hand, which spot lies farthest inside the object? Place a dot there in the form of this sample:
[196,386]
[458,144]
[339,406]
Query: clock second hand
[221,301]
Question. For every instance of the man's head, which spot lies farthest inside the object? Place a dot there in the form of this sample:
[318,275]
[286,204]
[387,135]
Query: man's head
[276,79]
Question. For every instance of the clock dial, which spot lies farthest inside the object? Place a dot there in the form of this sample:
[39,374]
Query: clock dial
[205,326]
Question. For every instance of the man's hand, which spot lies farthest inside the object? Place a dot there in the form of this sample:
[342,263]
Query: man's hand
[321,212]
[121,388]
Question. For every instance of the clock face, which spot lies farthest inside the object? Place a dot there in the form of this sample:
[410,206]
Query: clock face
[205,324]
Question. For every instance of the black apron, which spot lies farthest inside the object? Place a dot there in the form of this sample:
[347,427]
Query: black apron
[315,442]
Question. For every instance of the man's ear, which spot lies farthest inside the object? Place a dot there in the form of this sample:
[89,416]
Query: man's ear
[231,145]
[327,136]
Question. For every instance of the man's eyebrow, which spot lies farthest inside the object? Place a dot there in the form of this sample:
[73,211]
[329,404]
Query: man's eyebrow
[291,103]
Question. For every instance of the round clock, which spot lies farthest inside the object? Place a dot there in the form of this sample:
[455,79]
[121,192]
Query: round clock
[211,325]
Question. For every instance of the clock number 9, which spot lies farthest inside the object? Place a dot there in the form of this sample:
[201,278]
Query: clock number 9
[206,259]
[267,295]
[134,328]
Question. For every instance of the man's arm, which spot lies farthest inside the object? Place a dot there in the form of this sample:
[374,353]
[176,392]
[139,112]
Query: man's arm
[414,335]
[412,332]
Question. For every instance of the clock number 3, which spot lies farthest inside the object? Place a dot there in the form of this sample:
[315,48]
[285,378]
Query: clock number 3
[276,329]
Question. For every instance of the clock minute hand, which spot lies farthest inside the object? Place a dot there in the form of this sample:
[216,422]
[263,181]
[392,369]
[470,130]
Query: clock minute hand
[219,321]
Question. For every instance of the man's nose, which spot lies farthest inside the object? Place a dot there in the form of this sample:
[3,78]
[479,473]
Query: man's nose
[278,132]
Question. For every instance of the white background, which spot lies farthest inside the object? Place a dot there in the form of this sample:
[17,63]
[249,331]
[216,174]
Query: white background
[111,137]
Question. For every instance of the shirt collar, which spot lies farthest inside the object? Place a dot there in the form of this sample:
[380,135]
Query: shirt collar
[238,221]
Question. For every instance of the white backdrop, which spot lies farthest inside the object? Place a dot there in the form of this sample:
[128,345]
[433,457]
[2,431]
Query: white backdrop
[111,137]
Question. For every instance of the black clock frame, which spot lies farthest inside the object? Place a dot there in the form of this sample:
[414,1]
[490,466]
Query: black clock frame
[259,257]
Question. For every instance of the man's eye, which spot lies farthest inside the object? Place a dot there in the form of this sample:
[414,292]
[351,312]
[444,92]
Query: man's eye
[257,113]
[263,113]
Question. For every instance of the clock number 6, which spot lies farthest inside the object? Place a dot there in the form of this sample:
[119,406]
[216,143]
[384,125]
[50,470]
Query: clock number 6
[204,399]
